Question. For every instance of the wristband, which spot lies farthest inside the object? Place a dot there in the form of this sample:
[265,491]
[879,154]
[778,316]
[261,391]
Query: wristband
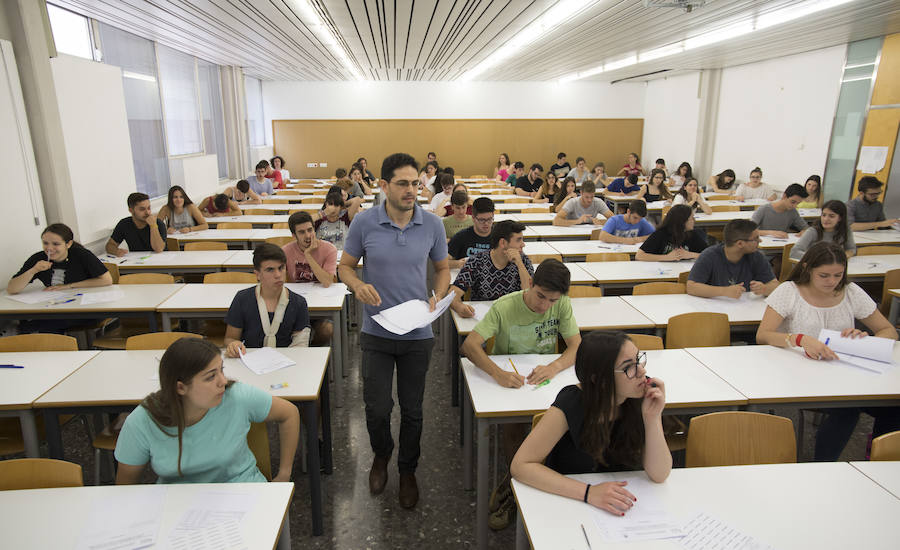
[798,338]
[587,488]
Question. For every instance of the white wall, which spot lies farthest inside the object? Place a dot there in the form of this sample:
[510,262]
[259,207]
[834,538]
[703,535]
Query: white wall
[198,175]
[671,111]
[777,114]
[98,147]
[441,100]
[261,153]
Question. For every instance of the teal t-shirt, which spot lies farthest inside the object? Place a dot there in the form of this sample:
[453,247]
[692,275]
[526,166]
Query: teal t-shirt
[516,329]
[214,450]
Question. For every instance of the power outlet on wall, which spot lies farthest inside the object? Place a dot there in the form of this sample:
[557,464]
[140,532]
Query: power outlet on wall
[323,164]
[312,164]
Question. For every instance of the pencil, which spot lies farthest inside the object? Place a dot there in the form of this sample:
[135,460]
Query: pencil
[586,539]
[514,367]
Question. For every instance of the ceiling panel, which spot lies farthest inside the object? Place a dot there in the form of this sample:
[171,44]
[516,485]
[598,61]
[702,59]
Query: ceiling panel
[411,40]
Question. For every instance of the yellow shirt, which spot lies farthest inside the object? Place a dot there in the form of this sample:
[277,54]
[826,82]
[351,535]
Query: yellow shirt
[805,204]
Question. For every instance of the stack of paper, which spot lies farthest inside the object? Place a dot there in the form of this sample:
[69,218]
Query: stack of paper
[645,521]
[705,532]
[411,315]
[870,352]
[123,521]
[265,360]
[101,297]
[481,310]
[213,521]
[36,296]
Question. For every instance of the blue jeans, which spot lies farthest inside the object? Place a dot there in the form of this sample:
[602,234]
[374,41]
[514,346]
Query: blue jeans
[838,425]
[411,358]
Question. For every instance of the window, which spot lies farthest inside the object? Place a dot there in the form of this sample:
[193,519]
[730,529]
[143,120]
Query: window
[137,60]
[71,32]
[212,114]
[179,93]
[253,92]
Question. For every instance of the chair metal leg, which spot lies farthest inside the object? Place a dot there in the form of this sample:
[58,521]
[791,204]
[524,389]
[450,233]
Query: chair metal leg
[96,466]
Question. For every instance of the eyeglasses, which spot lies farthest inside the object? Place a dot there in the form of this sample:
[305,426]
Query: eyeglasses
[631,368]
[484,220]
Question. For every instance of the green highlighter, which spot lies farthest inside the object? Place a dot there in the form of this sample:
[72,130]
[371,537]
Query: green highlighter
[541,385]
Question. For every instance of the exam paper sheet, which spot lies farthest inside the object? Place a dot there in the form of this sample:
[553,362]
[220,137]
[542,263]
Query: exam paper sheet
[411,315]
[265,360]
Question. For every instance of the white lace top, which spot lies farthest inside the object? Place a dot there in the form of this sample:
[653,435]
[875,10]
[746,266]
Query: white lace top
[801,317]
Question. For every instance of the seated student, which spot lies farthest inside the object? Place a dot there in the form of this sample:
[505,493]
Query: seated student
[443,185]
[360,188]
[367,174]
[334,219]
[180,214]
[562,167]
[287,322]
[219,205]
[518,170]
[611,421]
[278,165]
[632,166]
[472,240]
[242,194]
[777,218]
[428,175]
[274,175]
[690,195]
[580,172]
[548,189]
[755,188]
[830,227]
[655,189]
[817,295]
[496,272]
[599,176]
[675,238]
[340,173]
[446,209]
[503,168]
[459,220]
[136,229]
[660,164]
[732,268]
[722,183]
[585,209]
[628,228]
[529,185]
[194,428]
[866,211]
[564,194]
[682,174]
[813,187]
[623,186]
[260,184]
[310,260]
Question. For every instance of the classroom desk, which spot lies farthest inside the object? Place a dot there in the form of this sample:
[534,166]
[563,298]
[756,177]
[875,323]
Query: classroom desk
[201,301]
[258,221]
[531,218]
[690,387]
[558,232]
[20,387]
[193,261]
[876,236]
[722,218]
[138,301]
[627,274]
[519,206]
[768,243]
[577,250]
[72,510]
[823,505]
[885,473]
[578,275]
[747,311]
[537,248]
[229,236]
[863,268]
[117,381]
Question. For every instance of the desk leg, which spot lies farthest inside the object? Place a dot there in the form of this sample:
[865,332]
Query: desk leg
[151,321]
[481,485]
[29,433]
[337,342]
[466,414]
[325,402]
[284,540]
[54,435]
[521,537]
[453,345]
[345,339]
[308,411]
[166,322]
[895,310]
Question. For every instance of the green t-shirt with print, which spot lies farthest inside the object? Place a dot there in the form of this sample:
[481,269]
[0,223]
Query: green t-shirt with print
[516,329]
[452,226]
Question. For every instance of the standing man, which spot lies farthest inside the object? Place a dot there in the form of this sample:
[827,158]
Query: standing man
[396,239]
[585,209]
[142,231]
[866,211]
[530,185]
[472,240]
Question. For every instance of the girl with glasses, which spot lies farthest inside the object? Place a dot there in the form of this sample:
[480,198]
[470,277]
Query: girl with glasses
[610,421]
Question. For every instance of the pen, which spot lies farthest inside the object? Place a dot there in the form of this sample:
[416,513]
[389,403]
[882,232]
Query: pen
[514,367]
[61,302]
[11,367]
[649,381]
[827,340]
[586,539]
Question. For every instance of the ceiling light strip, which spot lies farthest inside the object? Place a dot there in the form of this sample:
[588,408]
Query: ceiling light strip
[311,17]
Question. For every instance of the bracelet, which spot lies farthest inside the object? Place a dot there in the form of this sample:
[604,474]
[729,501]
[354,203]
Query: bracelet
[587,488]
[798,338]
[787,340]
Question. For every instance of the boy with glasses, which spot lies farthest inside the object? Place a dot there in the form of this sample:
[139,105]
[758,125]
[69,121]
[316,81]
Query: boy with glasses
[866,211]
[475,239]
[732,268]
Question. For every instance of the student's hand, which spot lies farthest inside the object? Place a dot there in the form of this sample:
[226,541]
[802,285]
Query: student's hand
[42,265]
[512,254]
[313,246]
[739,198]
[539,374]
[432,302]
[184,230]
[151,220]
[263,194]
[572,195]
[654,398]
[235,349]
[509,379]
[59,287]
[815,349]
[779,234]
[367,294]
[853,333]
[464,310]
[612,497]
[757,288]
[733,291]
[633,240]
[170,231]
[121,252]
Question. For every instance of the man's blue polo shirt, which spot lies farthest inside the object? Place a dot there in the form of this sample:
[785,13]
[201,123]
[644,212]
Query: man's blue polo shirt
[395,261]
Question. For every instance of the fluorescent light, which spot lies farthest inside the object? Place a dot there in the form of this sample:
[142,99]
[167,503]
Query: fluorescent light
[801,9]
[311,18]
[548,21]
[139,76]
[665,51]
[718,35]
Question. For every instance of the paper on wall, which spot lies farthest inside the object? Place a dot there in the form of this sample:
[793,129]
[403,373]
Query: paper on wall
[871,159]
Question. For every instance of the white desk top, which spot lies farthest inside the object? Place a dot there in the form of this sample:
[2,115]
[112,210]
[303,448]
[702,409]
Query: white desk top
[766,374]
[823,505]
[72,509]
[119,377]
[43,370]
[282,207]
[583,247]
[884,473]
[137,298]
[538,248]
[768,242]
[214,235]
[170,259]
[877,236]
[531,217]
[518,206]
[636,272]
[659,308]
[559,232]
[579,276]
[218,297]
[255,218]
[875,266]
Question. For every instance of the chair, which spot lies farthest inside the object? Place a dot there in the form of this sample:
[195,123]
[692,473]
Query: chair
[205,245]
[307,180]
[319,192]
[877,250]
[39,473]
[608,257]
[280,241]
[595,234]
[582,291]
[665,210]
[224,277]
[725,208]
[280,225]
[113,271]
[537,418]
[786,265]
[683,277]
[478,177]
[235,225]
[38,342]
[257,212]
[886,447]
[719,198]
[647,289]
[891,280]
[536,259]
[156,340]
[276,201]
[518,200]
[288,192]
[734,438]
[646,342]
[115,339]
[258,441]
[312,200]
[698,330]
[172,244]
[147,279]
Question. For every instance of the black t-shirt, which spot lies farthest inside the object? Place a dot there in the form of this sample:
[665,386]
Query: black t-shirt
[567,456]
[467,243]
[138,239]
[525,184]
[661,242]
[80,265]
[244,314]
[561,170]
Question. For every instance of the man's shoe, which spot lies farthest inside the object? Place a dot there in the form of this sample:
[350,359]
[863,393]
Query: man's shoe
[409,490]
[378,475]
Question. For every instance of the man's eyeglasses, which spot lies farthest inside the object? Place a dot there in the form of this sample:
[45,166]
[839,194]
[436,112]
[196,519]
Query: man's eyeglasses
[632,367]
[484,220]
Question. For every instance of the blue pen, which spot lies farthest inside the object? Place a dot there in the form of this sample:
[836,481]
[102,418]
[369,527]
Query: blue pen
[60,303]
[11,367]
[827,340]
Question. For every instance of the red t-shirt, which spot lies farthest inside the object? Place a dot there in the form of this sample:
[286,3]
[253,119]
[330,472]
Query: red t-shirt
[630,169]
[449,210]
[278,181]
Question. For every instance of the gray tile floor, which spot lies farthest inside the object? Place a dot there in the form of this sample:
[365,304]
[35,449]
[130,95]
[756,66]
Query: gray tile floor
[445,516]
